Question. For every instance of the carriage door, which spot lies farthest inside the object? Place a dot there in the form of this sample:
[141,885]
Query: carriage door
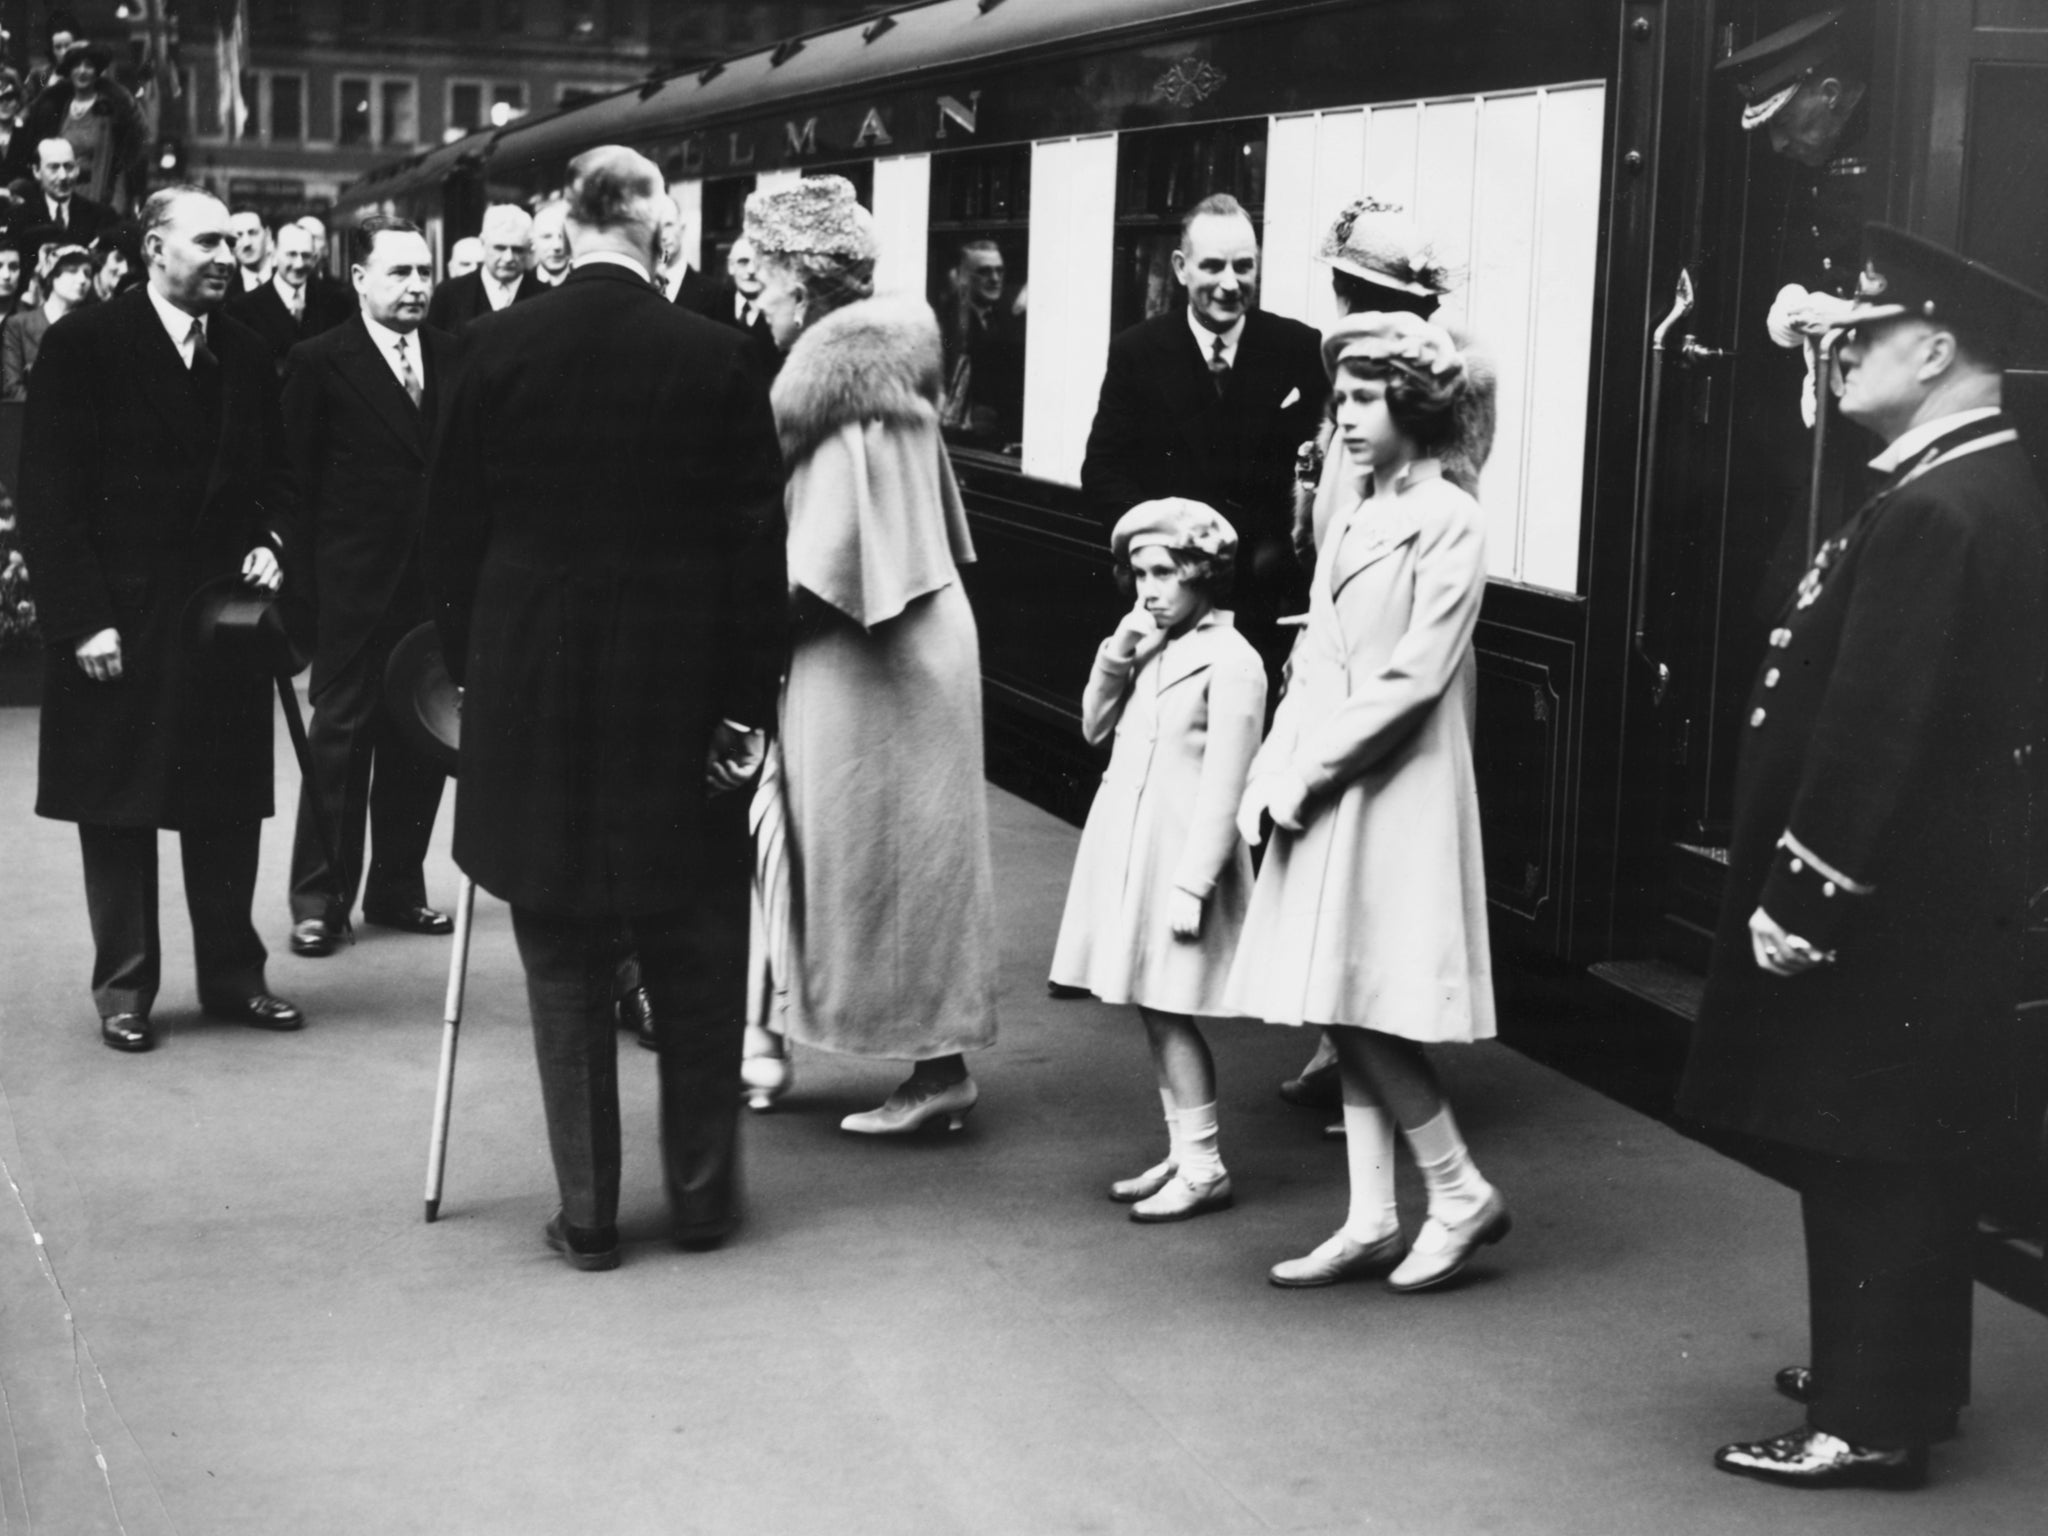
[1732,490]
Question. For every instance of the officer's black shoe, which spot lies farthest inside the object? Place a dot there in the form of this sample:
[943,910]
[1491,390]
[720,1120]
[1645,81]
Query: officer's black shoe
[127,1032]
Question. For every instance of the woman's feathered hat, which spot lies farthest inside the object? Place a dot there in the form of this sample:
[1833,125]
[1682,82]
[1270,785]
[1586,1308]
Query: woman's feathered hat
[1377,242]
[1175,523]
[818,216]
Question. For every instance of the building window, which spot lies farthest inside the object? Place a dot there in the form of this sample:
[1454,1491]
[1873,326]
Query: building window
[351,112]
[280,108]
[376,112]
[474,104]
[398,114]
[511,16]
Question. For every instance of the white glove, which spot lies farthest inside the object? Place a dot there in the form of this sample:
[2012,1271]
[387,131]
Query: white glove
[1797,315]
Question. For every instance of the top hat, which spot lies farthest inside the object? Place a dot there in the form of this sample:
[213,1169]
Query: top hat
[1770,70]
[1906,275]
[425,702]
[229,619]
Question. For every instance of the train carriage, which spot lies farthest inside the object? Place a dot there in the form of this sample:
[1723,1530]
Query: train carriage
[1577,164]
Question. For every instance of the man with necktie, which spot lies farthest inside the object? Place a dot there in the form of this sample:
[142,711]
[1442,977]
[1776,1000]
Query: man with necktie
[738,304]
[290,307]
[358,416]
[499,283]
[153,465]
[1859,1009]
[1211,404]
[54,204]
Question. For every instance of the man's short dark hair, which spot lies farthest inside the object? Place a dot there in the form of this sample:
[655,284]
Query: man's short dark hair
[1217,205]
[362,238]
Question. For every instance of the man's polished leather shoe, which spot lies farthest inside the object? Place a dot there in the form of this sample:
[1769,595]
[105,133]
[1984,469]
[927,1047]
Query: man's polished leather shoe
[414,919]
[584,1249]
[1809,1458]
[1795,1382]
[127,1032]
[260,1010]
[636,1012]
[312,938]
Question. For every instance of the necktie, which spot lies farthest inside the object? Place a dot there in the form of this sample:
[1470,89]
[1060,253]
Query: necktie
[202,354]
[407,375]
[1219,365]
[63,212]
[297,305]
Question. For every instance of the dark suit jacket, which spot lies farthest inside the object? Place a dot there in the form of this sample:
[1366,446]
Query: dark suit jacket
[1880,813]
[722,304]
[358,448]
[140,482]
[88,218]
[460,300]
[263,311]
[1161,430]
[604,549]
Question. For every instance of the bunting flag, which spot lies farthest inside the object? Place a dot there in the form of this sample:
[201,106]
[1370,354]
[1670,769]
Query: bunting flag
[232,57]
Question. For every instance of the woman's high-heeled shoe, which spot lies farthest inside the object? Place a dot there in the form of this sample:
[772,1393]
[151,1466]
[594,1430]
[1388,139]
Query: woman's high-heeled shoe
[913,1105]
[766,1079]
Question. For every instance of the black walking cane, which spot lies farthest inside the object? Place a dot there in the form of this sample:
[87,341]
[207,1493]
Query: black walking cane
[428,706]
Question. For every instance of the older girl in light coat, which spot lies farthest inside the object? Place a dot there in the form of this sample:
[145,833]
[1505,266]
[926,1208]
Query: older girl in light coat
[1161,880]
[1369,915]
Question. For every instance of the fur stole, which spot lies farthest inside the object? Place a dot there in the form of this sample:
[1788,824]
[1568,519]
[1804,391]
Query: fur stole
[875,360]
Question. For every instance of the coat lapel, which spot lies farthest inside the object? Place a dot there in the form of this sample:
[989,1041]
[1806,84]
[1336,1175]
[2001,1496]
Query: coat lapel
[1193,652]
[163,379]
[361,363]
[1375,528]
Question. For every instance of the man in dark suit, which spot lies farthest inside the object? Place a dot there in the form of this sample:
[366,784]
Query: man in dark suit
[499,283]
[252,249]
[1212,404]
[738,304]
[680,282]
[290,307]
[604,549]
[359,406]
[54,204]
[154,464]
[983,400]
[551,242]
[1859,1011]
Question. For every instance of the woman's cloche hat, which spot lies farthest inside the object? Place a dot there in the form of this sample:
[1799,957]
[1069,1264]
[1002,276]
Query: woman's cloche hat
[1398,341]
[818,216]
[1377,242]
[1173,522]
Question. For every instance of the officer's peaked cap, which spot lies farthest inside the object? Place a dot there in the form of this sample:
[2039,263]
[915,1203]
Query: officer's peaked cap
[1769,71]
[1906,275]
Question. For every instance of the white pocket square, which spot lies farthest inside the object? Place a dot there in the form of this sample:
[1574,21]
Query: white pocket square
[1292,396]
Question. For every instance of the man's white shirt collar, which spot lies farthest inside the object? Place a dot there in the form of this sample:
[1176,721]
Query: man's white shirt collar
[176,323]
[1909,444]
[285,291]
[387,341]
[1207,338]
[498,294]
[614,258]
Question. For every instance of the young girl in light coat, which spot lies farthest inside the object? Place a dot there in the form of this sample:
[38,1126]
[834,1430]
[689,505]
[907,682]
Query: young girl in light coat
[1162,878]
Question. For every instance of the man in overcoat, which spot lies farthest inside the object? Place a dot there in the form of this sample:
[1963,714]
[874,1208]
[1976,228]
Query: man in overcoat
[604,548]
[359,404]
[1859,1008]
[502,281]
[1212,404]
[153,463]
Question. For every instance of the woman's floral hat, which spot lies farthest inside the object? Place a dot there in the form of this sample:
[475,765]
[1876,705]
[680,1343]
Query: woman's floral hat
[1376,241]
[818,216]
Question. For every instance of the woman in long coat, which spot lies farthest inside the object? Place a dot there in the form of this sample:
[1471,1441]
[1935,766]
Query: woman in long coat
[1370,909]
[889,944]
[87,106]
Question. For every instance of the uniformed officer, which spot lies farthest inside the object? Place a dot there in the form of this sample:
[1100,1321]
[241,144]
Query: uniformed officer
[1859,1011]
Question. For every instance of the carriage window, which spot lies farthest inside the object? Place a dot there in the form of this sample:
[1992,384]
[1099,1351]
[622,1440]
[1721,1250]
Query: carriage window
[1160,174]
[977,271]
[861,173]
[723,213]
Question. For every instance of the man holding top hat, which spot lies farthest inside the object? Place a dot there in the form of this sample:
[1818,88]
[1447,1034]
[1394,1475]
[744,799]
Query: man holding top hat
[359,403]
[604,548]
[153,469]
[1859,1007]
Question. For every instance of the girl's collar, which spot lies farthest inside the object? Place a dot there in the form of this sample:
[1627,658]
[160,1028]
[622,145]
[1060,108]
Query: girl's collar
[1414,472]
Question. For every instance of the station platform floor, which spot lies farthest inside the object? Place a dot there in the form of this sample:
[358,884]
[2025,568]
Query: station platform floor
[221,1313]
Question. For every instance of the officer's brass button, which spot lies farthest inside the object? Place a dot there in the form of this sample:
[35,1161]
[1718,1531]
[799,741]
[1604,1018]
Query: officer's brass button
[1797,865]
[1827,887]
[1771,678]
[1756,716]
